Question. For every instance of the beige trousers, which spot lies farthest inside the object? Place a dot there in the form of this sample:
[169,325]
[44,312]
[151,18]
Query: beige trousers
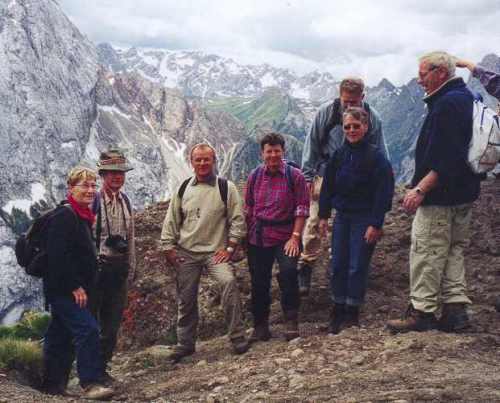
[188,280]
[310,238]
[438,238]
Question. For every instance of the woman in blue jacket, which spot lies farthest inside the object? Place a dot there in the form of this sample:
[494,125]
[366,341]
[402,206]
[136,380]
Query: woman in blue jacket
[359,185]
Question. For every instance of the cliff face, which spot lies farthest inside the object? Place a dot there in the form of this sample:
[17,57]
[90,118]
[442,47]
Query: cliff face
[48,75]
[60,109]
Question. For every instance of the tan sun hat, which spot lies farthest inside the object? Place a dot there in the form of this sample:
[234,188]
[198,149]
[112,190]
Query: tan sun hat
[113,160]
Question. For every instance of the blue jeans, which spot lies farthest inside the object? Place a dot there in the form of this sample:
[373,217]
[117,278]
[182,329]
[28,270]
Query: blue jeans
[260,263]
[351,258]
[71,329]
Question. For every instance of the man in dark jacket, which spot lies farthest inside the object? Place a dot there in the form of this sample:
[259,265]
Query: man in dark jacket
[443,189]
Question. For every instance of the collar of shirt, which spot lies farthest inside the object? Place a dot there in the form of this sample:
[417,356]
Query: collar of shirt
[110,196]
[210,182]
[281,169]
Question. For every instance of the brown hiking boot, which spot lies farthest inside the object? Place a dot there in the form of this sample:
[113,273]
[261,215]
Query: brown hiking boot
[240,345]
[413,320]
[291,325]
[260,332]
[179,352]
[453,318]
[351,317]
[97,392]
[337,316]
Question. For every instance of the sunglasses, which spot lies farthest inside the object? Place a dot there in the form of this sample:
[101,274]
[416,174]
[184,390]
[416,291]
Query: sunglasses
[354,126]
[87,186]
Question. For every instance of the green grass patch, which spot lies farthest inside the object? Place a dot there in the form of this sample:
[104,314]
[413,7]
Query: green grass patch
[269,110]
[32,326]
[24,356]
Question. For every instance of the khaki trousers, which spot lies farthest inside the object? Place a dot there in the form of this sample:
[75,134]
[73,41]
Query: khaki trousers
[188,280]
[310,238]
[438,239]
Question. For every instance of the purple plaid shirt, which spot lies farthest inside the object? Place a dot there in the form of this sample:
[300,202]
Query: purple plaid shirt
[273,200]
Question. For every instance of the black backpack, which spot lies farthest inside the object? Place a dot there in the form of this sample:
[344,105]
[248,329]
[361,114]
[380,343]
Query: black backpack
[223,189]
[30,246]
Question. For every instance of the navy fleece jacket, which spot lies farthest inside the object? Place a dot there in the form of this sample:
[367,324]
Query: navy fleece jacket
[358,179]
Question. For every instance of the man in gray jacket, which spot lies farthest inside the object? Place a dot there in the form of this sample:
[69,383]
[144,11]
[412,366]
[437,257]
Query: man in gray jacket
[324,138]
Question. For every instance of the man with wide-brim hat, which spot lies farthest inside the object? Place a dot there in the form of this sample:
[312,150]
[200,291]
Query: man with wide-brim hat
[115,242]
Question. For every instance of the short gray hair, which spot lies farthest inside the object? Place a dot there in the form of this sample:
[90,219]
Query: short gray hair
[440,59]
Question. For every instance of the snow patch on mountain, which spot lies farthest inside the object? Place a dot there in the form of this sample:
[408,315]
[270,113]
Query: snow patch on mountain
[38,192]
[206,75]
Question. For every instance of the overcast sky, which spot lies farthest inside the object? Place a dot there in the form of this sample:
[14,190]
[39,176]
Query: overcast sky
[374,39]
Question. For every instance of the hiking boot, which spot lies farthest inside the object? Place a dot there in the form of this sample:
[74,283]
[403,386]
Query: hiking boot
[304,277]
[179,352]
[413,320]
[453,318]
[240,345]
[351,317]
[337,316]
[107,379]
[95,391]
[260,332]
[57,390]
[291,325]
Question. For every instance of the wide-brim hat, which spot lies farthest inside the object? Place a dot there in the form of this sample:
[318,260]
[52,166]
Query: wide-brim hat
[113,160]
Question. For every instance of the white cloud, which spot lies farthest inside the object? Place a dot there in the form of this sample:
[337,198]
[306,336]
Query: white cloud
[375,39]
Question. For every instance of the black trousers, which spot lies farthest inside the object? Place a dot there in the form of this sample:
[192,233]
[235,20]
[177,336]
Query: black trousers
[260,263]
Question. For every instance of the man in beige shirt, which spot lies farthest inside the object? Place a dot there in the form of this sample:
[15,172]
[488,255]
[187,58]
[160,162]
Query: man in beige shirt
[202,230]
[115,242]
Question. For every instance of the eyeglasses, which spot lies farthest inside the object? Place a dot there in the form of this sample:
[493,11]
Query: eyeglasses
[423,75]
[87,186]
[354,126]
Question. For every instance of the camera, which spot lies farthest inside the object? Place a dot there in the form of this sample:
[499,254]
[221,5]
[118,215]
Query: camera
[117,243]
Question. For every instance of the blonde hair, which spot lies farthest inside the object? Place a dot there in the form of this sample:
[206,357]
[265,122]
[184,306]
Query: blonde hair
[440,59]
[352,85]
[79,173]
[357,113]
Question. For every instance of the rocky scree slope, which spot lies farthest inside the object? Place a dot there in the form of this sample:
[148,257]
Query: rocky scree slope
[359,364]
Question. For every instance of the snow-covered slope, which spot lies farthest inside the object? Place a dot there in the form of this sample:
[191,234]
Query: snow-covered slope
[204,75]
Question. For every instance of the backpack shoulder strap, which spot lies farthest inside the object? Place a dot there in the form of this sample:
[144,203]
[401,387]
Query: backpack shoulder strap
[223,190]
[367,108]
[127,202]
[96,209]
[180,195]
[182,188]
[334,119]
[251,185]
[289,177]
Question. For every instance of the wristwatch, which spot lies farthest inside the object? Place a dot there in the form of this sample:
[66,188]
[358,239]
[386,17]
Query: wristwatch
[230,249]
[419,191]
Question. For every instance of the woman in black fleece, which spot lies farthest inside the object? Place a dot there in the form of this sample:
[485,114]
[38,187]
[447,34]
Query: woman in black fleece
[359,184]
[71,270]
